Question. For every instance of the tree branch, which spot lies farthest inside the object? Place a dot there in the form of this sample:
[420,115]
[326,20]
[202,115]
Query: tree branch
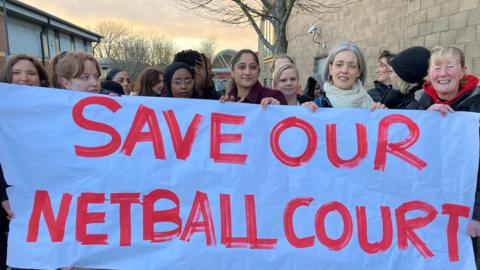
[254,24]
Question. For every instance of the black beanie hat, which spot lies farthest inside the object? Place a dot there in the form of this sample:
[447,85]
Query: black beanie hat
[170,70]
[113,87]
[411,65]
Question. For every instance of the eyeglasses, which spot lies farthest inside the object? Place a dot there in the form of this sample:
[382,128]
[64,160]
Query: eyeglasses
[179,82]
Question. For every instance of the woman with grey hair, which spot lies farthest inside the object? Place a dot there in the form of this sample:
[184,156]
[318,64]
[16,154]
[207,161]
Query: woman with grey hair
[344,76]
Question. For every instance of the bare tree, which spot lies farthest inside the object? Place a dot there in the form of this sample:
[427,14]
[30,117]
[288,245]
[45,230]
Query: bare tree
[254,12]
[162,52]
[132,51]
[114,33]
[208,47]
[133,55]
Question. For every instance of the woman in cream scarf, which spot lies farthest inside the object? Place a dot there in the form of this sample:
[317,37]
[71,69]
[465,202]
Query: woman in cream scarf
[344,76]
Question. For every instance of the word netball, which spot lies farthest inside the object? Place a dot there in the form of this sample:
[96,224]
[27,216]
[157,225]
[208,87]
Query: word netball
[200,221]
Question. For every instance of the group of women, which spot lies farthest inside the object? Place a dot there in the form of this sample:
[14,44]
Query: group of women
[400,82]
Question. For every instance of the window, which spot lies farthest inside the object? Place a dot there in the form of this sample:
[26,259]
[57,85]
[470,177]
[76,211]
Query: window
[46,51]
[72,43]
[57,42]
[85,46]
[269,33]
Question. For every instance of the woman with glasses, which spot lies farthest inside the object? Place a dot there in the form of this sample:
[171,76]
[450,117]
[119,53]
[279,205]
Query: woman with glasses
[383,72]
[179,80]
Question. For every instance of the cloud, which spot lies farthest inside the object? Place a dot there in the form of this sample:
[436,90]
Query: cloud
[160,17]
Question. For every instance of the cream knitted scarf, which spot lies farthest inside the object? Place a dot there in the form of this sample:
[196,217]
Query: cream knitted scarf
[355,98]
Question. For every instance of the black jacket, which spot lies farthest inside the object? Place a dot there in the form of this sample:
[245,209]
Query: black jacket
[394,99]
[3,186]
[303,98]
[379,91]
[468,102]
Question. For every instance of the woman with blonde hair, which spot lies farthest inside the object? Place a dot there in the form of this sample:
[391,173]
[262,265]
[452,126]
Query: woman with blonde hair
[450,89]
[286,80]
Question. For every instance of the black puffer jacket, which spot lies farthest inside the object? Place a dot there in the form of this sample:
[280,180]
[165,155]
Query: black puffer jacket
[468,102]
[379,91]
[394,99]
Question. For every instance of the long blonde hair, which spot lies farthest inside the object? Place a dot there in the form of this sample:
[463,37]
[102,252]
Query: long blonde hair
[403,86]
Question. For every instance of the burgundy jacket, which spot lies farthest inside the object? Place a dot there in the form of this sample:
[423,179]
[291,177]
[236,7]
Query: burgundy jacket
[257,93]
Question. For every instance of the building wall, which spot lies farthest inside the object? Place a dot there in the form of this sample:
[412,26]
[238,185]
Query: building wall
[386,24]
[3,40]
[24,37]
[65,44]
[78,45]
[25,26]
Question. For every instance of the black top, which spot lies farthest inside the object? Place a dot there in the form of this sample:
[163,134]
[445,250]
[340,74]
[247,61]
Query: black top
[3,186]
[379,91]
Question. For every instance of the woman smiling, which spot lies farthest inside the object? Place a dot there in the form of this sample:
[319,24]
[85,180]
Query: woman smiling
[344,76]
[245,85]
[24,70]
[449,88]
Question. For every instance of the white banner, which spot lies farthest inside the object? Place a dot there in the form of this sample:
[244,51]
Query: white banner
[157,183]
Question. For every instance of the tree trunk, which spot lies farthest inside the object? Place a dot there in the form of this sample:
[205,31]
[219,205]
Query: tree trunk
[281,45]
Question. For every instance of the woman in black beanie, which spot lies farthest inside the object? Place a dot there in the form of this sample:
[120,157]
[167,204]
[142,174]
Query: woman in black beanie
[410,67]
[179,79]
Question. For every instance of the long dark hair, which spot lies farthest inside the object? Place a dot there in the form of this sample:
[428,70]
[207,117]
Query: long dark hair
[112,73]
[147,79]
[239,54]
[236,58]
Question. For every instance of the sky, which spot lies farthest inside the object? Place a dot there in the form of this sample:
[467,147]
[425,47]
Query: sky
[162,17]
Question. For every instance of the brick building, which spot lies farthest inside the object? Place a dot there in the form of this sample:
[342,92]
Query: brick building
[382,24]
[26,29]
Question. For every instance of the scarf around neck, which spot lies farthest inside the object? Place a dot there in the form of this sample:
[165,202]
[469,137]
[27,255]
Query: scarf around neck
[471,82]
[355,98]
